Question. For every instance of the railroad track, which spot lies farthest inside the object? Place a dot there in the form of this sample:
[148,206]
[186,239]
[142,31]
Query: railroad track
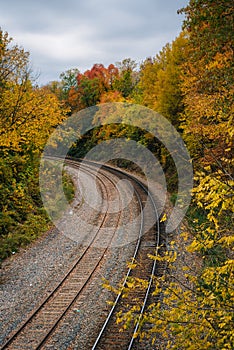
[109,336]
[37,329]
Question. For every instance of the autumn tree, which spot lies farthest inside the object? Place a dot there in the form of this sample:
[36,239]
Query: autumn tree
[82,90]
[160,80]
[208,89]
[208,118]
[14,64]
[55,87]
[98,84]
[208,79]
[27,116]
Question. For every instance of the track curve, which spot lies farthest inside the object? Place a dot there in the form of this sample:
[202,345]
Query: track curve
[86,257]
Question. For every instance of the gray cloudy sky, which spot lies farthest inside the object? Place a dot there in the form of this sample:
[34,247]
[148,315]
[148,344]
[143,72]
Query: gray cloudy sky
[68,34]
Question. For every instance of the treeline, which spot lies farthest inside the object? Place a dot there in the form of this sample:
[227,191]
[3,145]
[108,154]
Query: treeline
[155,83]
[190,82]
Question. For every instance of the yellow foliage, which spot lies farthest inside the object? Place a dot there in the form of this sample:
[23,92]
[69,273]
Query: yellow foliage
[27,117]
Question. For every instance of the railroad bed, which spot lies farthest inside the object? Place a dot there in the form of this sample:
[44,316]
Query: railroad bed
[72,312]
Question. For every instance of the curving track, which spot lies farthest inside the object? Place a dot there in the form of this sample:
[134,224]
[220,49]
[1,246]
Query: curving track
[109,334]
[39,327]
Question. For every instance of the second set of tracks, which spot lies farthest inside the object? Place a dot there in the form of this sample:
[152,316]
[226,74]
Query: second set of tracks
[38,328]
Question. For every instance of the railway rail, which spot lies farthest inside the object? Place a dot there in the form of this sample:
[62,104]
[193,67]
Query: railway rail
[109,332]
[35,331]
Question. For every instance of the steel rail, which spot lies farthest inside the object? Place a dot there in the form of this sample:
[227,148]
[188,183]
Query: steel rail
[152,273]
[125,280]
[48,334]
[146,190]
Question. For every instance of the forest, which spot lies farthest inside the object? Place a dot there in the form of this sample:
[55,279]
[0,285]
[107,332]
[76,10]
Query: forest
[190,82]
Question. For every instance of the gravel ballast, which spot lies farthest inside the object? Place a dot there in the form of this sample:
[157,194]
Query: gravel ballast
[30,275]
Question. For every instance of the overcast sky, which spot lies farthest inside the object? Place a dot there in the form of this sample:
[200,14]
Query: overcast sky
[78,33]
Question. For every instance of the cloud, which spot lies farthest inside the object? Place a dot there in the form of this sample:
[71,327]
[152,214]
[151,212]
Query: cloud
[77,33]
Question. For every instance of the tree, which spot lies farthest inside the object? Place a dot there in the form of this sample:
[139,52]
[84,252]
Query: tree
[160,80]
[208,79]
[128,77]
[207,86]
[28,114]
[89,92]
[14,64]
[82,90]
[69,80]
